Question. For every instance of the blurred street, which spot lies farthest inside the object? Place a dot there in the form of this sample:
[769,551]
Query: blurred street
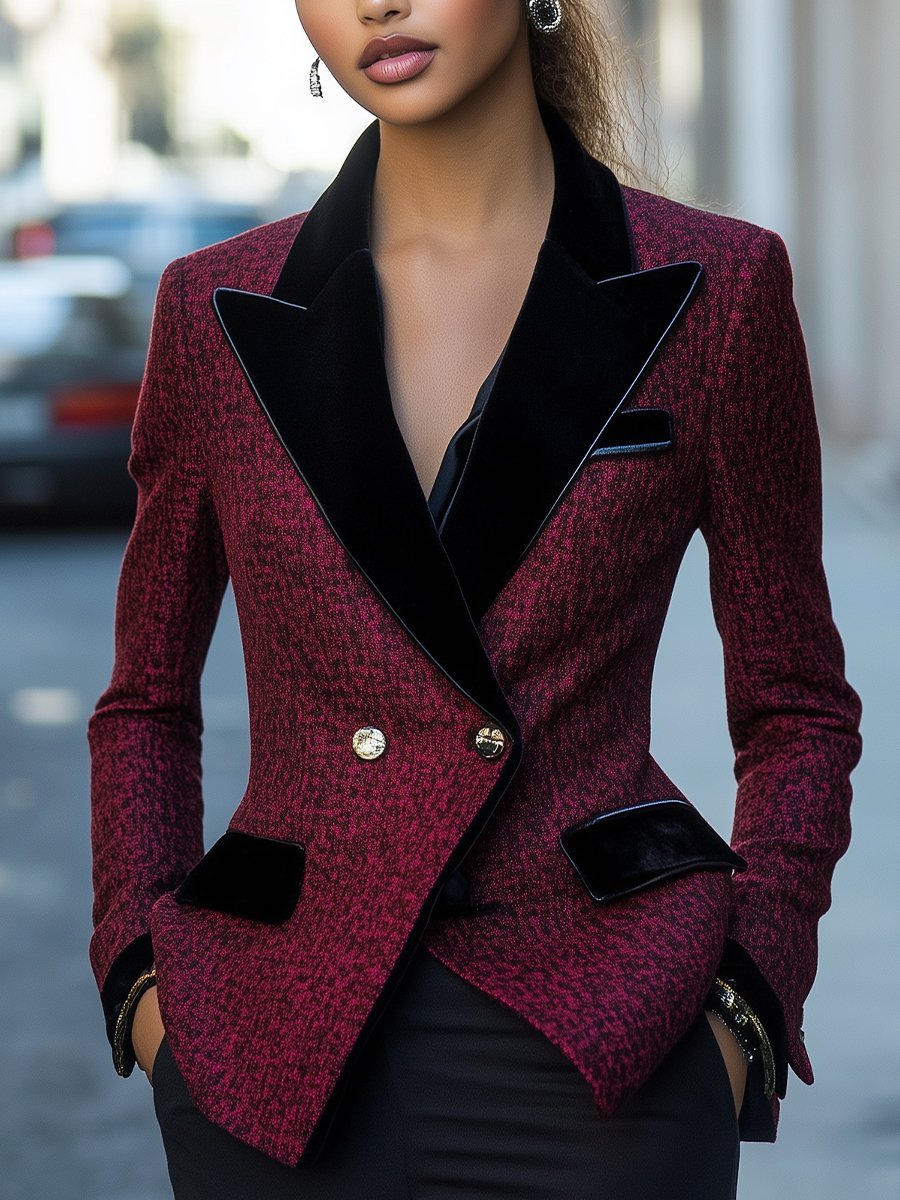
[71,1129]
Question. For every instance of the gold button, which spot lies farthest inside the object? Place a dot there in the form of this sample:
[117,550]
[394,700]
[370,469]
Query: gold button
[369,742]
[490,742]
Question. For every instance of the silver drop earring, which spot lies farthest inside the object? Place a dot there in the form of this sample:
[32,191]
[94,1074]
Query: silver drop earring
[315,83]
[546,15]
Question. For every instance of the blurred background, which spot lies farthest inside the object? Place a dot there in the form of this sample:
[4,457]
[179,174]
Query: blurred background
[134,131]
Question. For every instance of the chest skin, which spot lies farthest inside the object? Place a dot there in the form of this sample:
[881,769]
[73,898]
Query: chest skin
[446,319]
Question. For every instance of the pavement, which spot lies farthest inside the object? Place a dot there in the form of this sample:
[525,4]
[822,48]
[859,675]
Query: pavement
[71,1129]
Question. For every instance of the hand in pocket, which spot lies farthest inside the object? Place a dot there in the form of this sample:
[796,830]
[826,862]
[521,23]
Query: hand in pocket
[147,1032]
[734,1059]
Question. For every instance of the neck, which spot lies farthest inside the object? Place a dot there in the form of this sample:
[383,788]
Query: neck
[473,174]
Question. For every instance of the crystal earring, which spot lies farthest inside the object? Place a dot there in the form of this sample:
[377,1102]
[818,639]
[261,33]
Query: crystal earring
[546,15]
[315,83]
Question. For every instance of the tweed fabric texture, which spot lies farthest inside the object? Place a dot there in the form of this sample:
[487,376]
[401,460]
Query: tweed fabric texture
[261,1018]
[460,1097]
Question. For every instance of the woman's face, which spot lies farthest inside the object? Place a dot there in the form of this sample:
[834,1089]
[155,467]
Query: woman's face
[472,39]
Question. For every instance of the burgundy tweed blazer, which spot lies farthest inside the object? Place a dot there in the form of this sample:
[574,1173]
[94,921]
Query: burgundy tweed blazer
[655,383]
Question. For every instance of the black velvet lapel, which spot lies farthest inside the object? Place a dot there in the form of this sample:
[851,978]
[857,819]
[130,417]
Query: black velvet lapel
[587,331]
[319,375]
[579,349]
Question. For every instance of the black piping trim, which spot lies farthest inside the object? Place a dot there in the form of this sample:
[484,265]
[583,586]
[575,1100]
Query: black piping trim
[649,430]
[635,448]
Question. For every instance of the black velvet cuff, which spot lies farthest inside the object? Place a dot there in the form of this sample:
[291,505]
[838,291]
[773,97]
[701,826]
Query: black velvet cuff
[127,966]
[738,969]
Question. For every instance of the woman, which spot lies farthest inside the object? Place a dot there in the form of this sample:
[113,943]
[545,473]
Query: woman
[462,935]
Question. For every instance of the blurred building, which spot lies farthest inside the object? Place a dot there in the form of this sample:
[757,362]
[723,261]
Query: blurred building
[115,98]
[783,112]
[779,111]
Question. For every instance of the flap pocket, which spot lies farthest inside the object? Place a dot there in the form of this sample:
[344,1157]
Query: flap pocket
[634,431]
[247,875]
[620,852]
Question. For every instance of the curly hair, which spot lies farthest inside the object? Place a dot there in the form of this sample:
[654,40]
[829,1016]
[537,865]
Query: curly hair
[588,74]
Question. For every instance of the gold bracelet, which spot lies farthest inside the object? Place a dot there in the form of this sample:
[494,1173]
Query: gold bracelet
[140,985]
[742,1014]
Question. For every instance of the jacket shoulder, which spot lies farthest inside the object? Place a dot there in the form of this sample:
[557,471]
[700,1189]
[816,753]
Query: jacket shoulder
[251,259]
[666,230]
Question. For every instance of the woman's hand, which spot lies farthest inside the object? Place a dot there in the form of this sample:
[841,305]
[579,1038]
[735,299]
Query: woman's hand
[147,1031]
[734,1059]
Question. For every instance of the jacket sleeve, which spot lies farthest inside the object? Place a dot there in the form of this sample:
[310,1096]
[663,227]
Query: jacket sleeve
[144,734]
[792,716]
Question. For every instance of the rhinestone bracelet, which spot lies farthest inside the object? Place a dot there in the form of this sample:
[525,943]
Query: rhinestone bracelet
[743,1023]
[125,1019]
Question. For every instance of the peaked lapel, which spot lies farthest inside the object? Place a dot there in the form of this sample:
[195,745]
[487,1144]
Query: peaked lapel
[586,333]
[580,348]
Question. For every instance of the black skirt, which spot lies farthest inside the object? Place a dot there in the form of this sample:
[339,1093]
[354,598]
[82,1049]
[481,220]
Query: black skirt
[458,1096]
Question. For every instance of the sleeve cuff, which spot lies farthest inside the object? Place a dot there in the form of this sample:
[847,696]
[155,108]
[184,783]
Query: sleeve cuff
[739,970]
[127,966]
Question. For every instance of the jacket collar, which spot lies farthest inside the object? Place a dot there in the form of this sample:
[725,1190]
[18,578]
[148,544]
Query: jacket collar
[586,333]
[588,218]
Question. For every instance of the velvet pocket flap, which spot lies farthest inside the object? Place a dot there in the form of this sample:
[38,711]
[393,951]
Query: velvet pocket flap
[623,851]
[247,875]
[636,431]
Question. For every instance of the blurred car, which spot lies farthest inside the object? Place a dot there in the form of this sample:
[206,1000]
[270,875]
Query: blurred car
[75,310]
[71,362]
[144,234]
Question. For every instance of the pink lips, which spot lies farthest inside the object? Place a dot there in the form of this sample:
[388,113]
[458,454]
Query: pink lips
[399,66]
[408,56]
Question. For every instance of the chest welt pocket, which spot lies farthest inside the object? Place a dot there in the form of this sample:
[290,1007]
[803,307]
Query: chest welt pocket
[624,851]
[636,431]
[247,875]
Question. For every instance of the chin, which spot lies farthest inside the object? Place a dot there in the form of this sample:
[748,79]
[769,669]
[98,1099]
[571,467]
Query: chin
[413,109]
